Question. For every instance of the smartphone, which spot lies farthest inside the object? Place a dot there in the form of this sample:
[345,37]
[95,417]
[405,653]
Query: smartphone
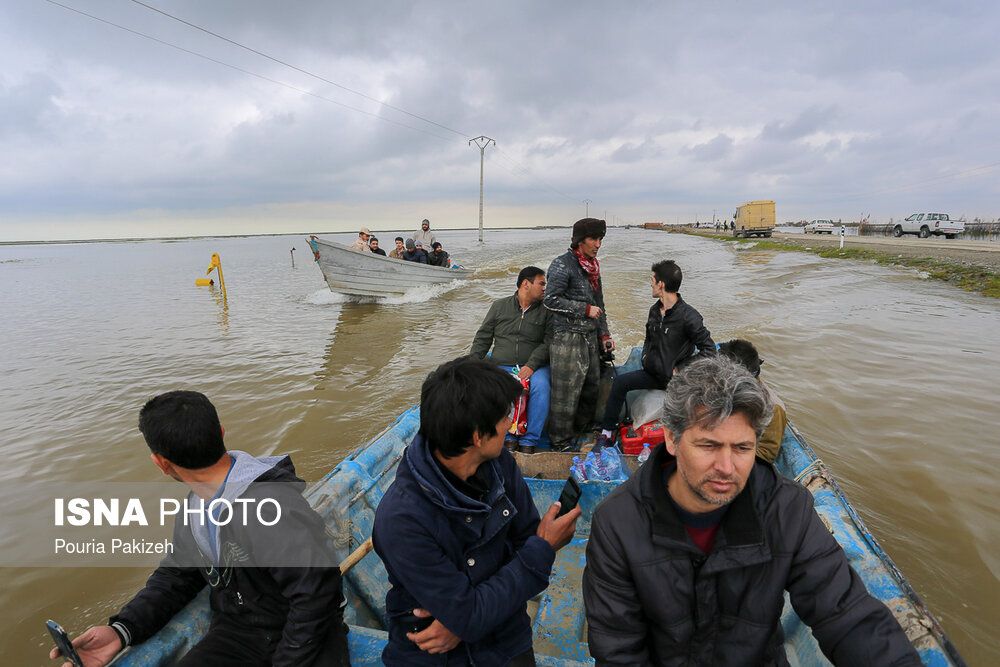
[414,623]
[570,495]
[63,643]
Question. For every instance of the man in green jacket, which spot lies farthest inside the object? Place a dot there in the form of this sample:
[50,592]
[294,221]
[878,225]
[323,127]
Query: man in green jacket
[519,329]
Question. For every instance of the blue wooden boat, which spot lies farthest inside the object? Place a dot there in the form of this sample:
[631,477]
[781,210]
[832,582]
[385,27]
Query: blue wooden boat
[347,498]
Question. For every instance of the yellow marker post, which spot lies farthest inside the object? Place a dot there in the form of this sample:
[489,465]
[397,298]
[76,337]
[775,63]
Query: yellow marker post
[204,282]
[217,264]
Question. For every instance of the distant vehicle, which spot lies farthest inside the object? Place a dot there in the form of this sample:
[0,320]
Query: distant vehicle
[925,224]
[819,227]
[755,218]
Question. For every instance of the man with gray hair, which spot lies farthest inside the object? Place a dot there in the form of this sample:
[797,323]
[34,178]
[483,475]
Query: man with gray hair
[688,560]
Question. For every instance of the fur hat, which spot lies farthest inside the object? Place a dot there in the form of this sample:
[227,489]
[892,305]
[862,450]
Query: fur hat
[586,228]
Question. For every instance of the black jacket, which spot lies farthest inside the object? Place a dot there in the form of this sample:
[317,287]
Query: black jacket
[671,339]
[302,605]
[567,295]
[653,598]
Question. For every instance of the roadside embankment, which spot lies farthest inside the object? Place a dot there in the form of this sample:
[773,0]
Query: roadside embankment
[971,265]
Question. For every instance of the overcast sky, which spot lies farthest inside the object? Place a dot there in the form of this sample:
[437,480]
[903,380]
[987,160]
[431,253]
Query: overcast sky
[653,111]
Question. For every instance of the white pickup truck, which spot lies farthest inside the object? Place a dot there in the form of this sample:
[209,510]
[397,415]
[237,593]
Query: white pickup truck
[925,224]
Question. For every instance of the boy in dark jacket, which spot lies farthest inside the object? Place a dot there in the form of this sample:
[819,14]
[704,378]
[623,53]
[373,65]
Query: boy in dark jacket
[673,330]
[458,530]
[688,561]
[275,588]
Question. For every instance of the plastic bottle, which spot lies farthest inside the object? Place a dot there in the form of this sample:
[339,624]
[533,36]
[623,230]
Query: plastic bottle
[612,460]
[644,454]
[594,463]
[578,471]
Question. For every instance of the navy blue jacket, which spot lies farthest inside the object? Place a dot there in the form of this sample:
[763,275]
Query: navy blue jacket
[473,565]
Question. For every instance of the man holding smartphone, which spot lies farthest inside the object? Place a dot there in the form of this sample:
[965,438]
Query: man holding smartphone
[458,531]
[575,295]
[274,585]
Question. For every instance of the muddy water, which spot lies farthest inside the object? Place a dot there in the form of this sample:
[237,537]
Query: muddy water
[890,377]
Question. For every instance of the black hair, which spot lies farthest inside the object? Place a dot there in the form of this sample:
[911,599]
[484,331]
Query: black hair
[374,238]
[743,352]
[399,238]
[529,273]
[668,273]
[183,427]
[462,397]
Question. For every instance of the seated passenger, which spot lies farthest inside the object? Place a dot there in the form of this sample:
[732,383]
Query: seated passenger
[274,589]
[373,245]
[414,252]
[744,353]
[689,560]
[361,243]
[673,330]
[437,256]
[458,530]
[519,329]
[397,252]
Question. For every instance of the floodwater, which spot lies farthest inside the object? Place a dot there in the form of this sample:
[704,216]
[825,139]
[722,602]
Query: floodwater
[889,376]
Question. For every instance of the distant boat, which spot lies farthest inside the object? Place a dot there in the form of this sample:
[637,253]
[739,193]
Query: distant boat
[348,495]
[366,274]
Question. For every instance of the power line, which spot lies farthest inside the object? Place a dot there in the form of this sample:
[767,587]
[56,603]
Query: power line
[298,69]
[246,71]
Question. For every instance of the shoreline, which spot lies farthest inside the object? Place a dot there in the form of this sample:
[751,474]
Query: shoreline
[972,266]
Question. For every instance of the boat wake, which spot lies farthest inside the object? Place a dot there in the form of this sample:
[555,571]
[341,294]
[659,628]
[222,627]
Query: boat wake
[418,294]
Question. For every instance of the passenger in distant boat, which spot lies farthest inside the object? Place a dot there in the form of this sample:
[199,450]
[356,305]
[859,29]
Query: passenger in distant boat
[519,329]
[437,256]
[397,252]
[673,330]
[580,332]
[361,243]
[373,245]
[414,252]
[424,234]
[275,589]
[458,530]
[744,353]
[688,561]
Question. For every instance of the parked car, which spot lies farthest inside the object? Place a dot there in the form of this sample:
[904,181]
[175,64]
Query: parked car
[819,227]
[925,224]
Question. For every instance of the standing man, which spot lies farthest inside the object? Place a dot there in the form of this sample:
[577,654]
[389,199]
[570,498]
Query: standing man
[397,252]
[373,246]
[274,588]
[519,329]
[580,332]
[361,243]
[688,560]
[673,331]
[458,530]
[424,234]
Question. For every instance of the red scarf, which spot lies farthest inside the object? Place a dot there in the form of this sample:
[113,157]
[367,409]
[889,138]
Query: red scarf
[591,267]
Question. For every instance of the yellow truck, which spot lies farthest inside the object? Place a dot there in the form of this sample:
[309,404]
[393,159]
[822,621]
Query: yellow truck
[755,218]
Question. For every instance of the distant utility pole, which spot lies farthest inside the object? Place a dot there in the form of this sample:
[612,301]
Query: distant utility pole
[587,202]
[482,142]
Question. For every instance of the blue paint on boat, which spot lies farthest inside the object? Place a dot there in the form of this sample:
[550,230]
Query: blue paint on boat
[347,497]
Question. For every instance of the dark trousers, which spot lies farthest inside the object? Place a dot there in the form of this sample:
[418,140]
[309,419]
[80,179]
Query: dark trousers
[622,385]
[229,643]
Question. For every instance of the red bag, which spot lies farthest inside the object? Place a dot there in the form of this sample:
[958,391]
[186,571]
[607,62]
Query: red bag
[650,434]
[519,424]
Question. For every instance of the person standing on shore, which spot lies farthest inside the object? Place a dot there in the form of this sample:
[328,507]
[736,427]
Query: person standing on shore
[575,296]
